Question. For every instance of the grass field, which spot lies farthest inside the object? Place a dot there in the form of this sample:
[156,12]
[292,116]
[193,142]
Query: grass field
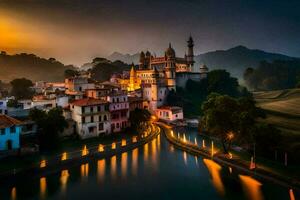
[283,109]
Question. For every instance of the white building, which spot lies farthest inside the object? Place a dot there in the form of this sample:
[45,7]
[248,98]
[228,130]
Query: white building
[169,113]
[92,117]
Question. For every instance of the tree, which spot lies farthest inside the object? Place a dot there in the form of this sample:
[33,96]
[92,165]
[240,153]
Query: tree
[49,126]
[71,73]
[230,119]
[21,88]
[138,117]
[12,103]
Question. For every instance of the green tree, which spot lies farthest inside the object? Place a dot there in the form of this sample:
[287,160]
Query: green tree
[21,88]
[12,103]
[230,119]
[50,124]
[71,73]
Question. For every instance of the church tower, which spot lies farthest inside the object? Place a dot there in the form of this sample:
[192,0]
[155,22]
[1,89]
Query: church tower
[190,55]
[170,68]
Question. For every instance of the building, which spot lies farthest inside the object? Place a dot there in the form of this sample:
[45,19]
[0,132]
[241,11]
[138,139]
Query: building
[157,76]
[169,113]
[78,84]
[91,116]
[135,103]
[119,109]
[10,130]
[3,106]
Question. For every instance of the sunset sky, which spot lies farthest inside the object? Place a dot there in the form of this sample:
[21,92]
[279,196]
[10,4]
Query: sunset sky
[75,31]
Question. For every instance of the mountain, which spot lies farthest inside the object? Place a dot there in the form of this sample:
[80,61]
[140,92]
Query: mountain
[126,58]
[31,67]
[235,60]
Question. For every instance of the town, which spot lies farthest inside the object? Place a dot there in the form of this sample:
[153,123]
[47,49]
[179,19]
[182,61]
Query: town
[149,100]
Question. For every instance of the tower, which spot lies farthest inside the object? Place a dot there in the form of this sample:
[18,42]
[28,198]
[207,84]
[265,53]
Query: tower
[190,56]
[170,68]
[142,60]
[132,80]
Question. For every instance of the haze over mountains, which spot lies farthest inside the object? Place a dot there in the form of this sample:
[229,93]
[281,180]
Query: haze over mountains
[235,59]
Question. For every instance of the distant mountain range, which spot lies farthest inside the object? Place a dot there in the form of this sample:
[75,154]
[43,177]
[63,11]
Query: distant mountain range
[235,60]
[31,67]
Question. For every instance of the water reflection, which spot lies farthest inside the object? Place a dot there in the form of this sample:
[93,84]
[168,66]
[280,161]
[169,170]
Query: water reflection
[214,170]
[292,196]
[101,170]
[84,169]
[124,164]
[134,161]
[252,187]
[64,179]
[113,166]
[185,157]
[146,152]
[43,187]
[14,193]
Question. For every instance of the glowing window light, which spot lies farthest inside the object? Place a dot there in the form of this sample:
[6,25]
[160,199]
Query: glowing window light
[212,148]
[203,143]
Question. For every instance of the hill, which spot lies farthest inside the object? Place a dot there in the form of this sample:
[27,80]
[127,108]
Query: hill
[235,60]
[31,67]
[103,70]
[283,109]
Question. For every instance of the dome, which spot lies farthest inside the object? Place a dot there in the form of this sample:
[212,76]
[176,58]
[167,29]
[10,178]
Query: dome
[170,52]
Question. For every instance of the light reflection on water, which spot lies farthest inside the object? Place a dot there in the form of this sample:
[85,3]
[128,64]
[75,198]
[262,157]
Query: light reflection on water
[252,187]
[157,165]
[214,170]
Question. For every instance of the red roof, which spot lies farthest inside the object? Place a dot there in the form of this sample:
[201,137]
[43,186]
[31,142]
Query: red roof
[88,102]
[7,121]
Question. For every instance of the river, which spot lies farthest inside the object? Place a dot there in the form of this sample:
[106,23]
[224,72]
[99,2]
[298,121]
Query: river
[154,171]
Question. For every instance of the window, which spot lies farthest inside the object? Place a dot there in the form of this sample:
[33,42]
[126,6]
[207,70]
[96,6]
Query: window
[105,118]
[101,127]
[92,109]
[99,108]
[91,129]
[92,118]
[100,118]
[12,129]
[82,110]
[2,131]
[118,125]
[83,119]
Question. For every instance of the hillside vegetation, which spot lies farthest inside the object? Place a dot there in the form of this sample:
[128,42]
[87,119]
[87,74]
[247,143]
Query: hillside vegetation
[31,67]
[283,109]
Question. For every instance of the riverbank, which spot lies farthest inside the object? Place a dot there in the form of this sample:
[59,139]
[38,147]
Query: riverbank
[233,163]
[81,156]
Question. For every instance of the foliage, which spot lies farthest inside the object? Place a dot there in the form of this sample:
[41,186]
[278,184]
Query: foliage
[230,119]
[12,103]
[273,76]
[103,70]
[50,124]
[138,117]
[71,73]
[195,93]
[21,88]
[267,138]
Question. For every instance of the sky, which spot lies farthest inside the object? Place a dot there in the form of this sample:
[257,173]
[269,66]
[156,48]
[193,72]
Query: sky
[76,31]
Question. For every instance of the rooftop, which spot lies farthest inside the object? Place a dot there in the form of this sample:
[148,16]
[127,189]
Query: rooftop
[171,108]
[7,121]
[88,102]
